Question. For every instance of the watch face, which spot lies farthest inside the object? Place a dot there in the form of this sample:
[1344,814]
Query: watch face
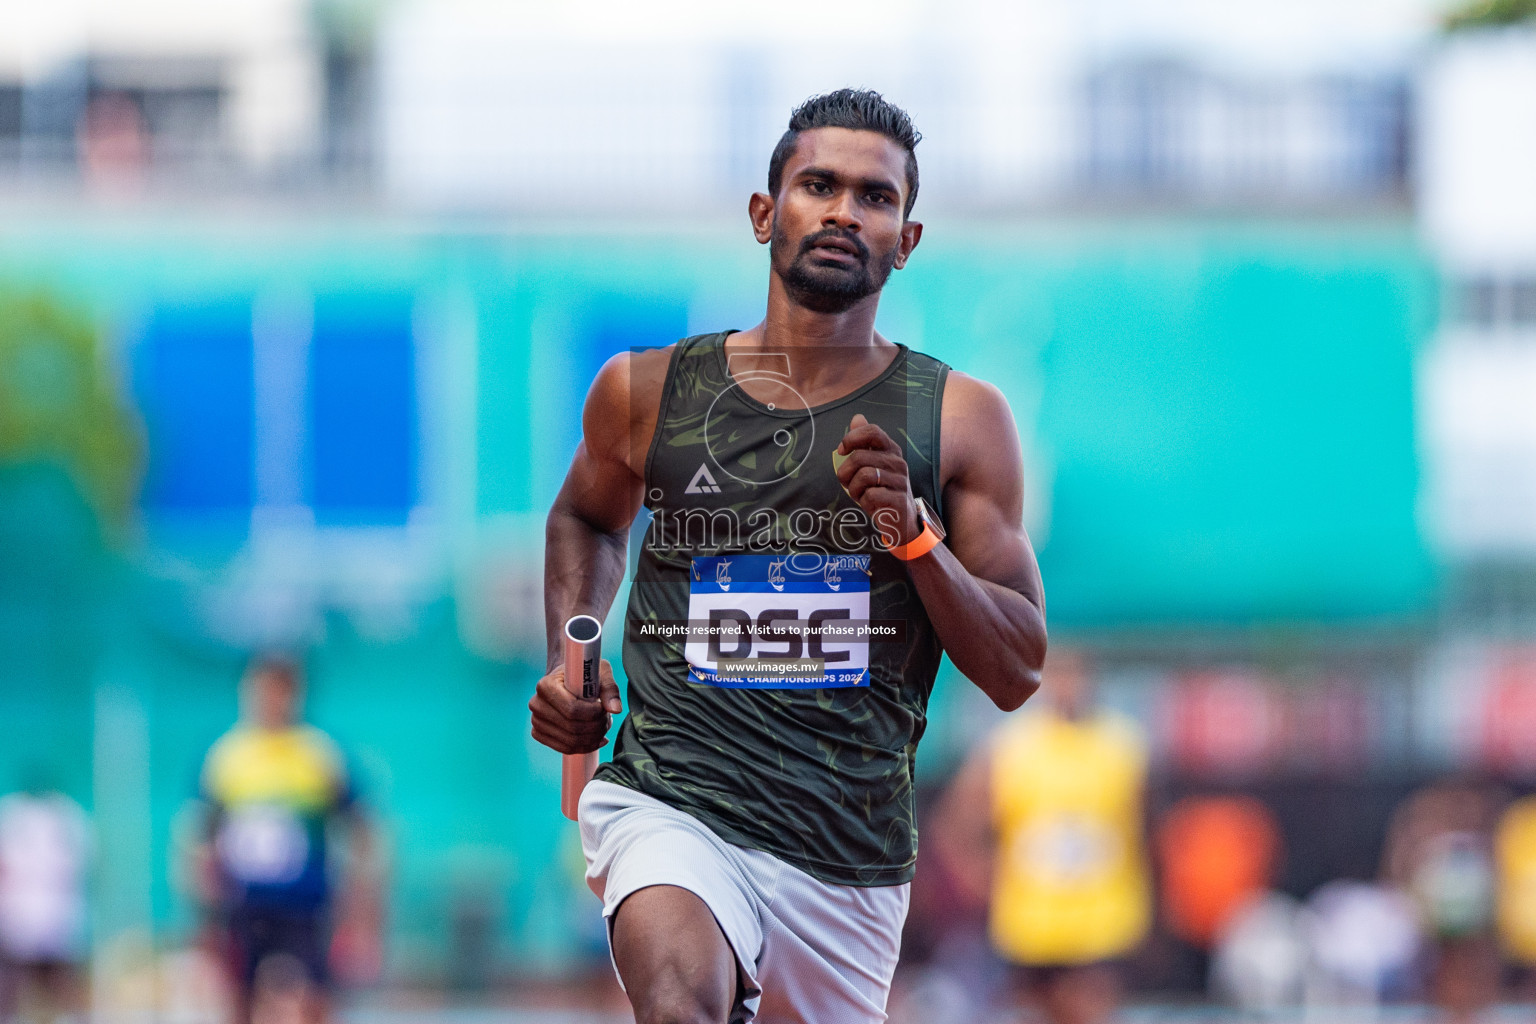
[929,519]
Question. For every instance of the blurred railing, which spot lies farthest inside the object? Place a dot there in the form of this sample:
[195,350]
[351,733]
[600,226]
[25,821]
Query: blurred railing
[1177,129]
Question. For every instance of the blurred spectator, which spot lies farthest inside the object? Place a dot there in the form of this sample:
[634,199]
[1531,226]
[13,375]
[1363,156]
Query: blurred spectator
[1365,944]
[1260,959]
[1515,848]
[949,972]
[44,852]
[1215,855]
[1440,851]
[1047,816]
[113,144]
[272,786]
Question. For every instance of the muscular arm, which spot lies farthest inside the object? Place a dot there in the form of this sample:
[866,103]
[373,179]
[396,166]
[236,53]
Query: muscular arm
[359,911]
[981,588]
[586,536]
[962,829]
[588,527]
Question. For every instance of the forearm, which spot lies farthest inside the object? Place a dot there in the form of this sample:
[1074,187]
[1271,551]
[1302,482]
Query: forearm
[583,567]
[363,843]
[994,635]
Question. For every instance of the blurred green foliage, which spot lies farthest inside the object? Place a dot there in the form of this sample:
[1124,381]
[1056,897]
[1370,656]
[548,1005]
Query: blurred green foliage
[59,404]
[1489,13]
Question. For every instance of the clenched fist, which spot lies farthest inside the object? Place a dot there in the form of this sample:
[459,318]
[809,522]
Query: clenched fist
[874,473]
[567,723]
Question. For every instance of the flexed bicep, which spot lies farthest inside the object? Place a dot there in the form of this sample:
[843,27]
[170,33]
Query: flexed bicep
[586,534]
[605,484]
[984,493]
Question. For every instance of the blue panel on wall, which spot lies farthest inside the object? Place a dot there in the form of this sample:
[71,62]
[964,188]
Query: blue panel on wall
[193,377]
[609,324]
[625,322]
[362,410]
[614,324]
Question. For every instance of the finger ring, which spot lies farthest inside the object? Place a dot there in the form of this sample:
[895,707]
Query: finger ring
[877,476]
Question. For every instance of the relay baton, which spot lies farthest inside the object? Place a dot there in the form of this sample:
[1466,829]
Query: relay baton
[583,655]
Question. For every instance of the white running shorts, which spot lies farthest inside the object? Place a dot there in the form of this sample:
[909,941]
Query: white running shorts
[809,952]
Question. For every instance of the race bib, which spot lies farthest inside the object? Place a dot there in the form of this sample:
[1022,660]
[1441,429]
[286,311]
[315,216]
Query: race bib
[797,621]
[1067,849]
[263,844]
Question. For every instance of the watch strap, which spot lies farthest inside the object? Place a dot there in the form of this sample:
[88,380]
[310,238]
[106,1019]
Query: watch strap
[917,546]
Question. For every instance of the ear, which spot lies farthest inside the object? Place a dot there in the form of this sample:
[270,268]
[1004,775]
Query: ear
[911,234]
[760,210]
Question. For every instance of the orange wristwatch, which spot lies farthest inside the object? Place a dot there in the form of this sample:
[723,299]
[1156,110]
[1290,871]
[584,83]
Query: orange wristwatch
[924,542]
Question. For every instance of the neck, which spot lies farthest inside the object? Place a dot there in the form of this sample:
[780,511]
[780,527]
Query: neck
[791,325]
[828,350]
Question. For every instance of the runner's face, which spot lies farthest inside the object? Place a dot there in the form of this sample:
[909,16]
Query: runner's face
[274,698]
[1069,684]
[837,220]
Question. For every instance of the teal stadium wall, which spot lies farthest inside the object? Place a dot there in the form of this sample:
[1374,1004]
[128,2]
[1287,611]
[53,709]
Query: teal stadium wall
[1219,428]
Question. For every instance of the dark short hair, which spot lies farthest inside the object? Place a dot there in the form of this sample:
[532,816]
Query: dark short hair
[859,109]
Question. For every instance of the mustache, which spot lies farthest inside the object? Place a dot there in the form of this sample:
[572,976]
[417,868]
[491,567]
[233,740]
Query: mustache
[810,242]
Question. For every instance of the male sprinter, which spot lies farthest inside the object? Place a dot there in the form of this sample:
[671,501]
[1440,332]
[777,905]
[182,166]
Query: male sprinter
[752,839]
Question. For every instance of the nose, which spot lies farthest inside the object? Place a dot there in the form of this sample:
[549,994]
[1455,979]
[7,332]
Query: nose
[841,212]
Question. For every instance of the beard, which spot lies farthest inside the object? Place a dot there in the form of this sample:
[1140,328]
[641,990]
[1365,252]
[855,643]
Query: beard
[824,287]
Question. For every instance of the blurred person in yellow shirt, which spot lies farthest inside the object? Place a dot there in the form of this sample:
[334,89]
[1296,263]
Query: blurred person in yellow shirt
[1046,819]
[272,788]
[1515,859]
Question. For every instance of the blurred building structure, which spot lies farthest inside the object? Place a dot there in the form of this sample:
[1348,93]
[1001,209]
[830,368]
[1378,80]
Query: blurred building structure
[1477,164]
[1181,130]
[473,106]
[176,95]
[497,107]
[1476,160]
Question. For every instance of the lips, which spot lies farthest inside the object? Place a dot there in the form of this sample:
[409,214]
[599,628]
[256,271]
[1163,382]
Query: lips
[836,248]
[829,252]
[837,245]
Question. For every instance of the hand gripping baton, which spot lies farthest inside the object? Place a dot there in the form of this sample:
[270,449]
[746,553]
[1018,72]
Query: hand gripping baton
[583,654]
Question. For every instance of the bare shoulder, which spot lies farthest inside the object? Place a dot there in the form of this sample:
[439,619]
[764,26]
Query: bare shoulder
[976,427]
[623,404]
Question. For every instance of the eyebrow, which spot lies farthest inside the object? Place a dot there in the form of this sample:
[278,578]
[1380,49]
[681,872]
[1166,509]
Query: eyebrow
[882,184]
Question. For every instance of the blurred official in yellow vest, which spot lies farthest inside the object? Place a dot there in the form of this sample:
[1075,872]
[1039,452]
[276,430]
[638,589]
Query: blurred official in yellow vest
[1047,815]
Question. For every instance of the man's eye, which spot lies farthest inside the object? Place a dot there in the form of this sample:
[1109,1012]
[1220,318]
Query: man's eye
[819,187]
[878,197]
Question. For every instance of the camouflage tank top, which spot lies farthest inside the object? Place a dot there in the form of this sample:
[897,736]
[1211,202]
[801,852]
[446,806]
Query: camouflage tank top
[779,660]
